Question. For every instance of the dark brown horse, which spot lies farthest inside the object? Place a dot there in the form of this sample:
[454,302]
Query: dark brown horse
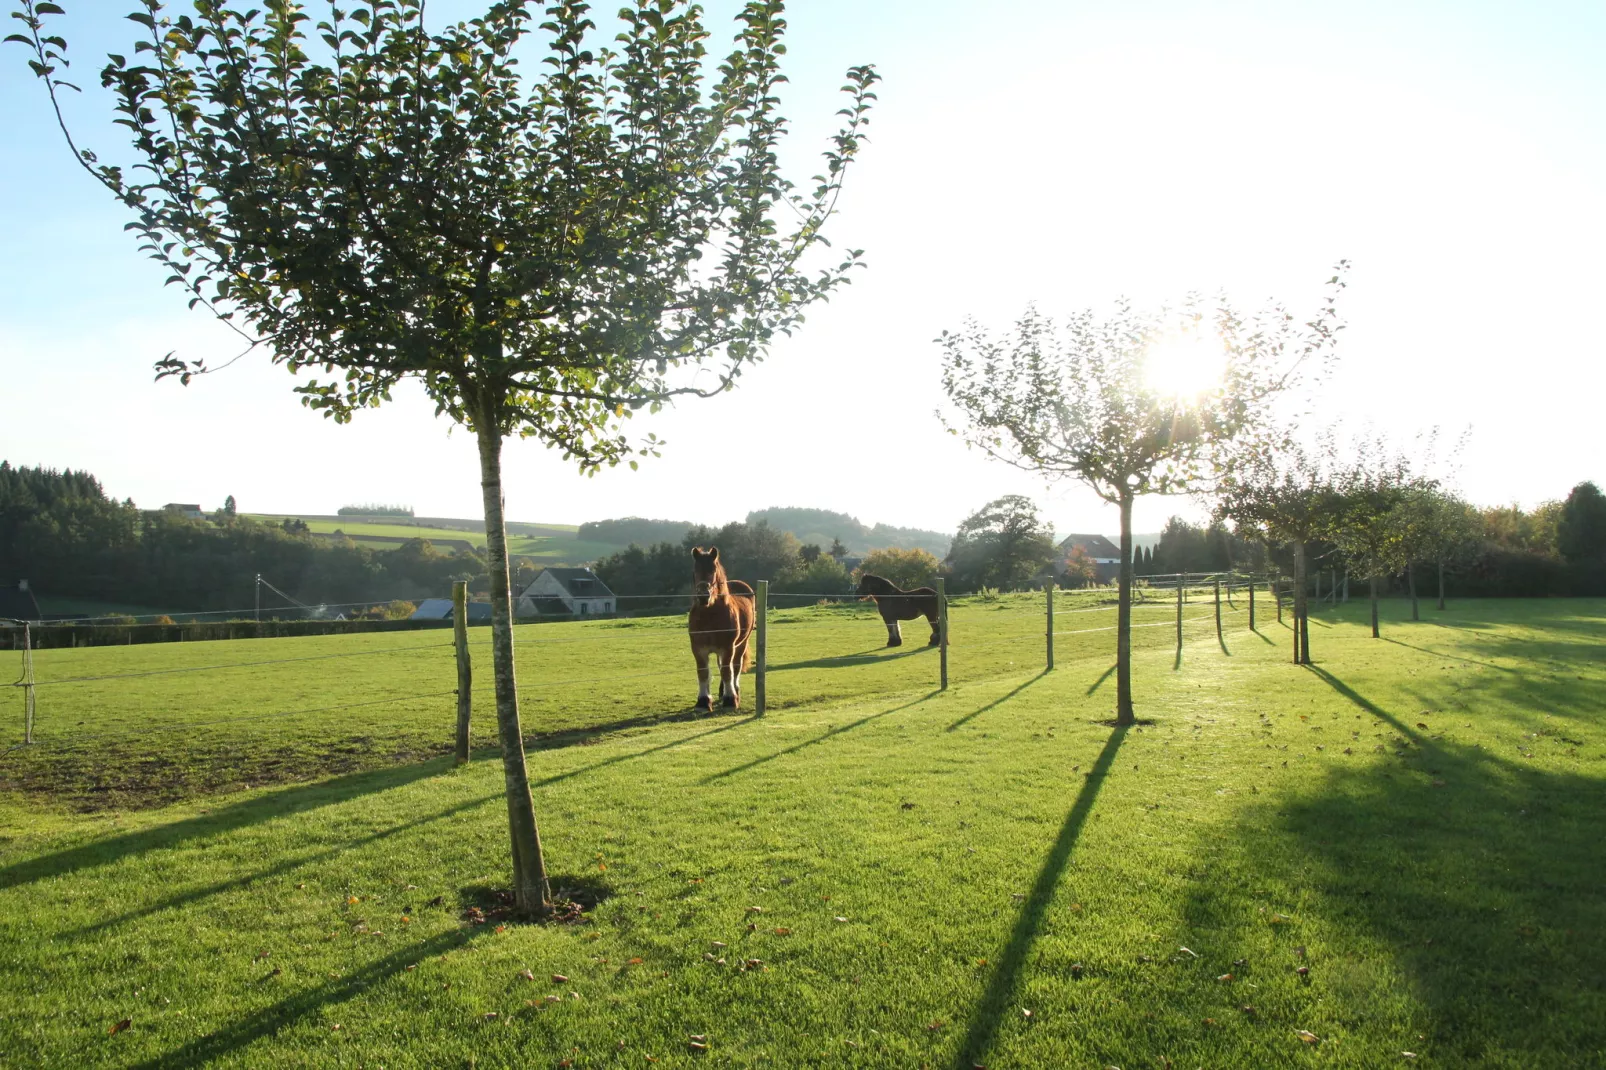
[721,623]
[896,605]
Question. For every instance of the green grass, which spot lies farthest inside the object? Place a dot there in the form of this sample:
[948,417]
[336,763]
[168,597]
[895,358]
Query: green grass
[1415,821]
[549,549]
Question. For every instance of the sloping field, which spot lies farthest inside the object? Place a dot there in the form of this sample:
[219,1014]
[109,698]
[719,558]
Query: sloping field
[1393,852]
[549,544]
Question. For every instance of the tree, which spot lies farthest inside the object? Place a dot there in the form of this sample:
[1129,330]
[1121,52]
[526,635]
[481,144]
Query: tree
[228,506]
[1080,569]
[1581,528]
[545,256]
[1284,492]
[904,568]
[1109,401]
[1437,527]
[1372,521]
[837,550]
[1003,544]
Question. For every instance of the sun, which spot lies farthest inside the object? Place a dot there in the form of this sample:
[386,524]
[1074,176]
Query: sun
[1184,366]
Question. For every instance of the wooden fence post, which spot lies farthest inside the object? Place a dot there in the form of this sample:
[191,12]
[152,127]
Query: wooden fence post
[761,660]
[1251,603]
[942,623]
[465,674]
[1218,607]
[1277,596]
[1180,578]
[1050,590]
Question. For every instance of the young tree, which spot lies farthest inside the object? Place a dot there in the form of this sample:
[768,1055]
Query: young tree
[1003,544]
[1080,570]
[545,255]
[1374,516]
[1437,527]
[1133,404]
[1284,492]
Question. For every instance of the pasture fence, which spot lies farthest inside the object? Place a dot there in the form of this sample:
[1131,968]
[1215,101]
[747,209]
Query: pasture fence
[1152,593]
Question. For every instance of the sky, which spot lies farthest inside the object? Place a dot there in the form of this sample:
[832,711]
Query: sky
[1061,153]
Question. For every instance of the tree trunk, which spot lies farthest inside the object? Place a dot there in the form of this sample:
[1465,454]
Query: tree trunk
[530,893]
[1373,582]
[1301,631]
[1410,580]
[1441,583]
[1123,621]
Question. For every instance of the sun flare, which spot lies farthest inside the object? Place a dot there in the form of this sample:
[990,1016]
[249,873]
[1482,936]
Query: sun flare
[1184,366]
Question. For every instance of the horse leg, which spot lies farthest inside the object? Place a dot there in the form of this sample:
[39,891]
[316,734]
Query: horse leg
[894,632]
[700,655]
[730,669]
[936,629]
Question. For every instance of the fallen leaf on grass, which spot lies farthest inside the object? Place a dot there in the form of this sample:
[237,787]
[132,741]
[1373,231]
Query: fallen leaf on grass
[488,1015]
[1225,977]
[634,962]
[932,1027]
[1303,971]
[1188,951]
[1307,1036]
[1420,724]
[528,975]
[782,931]
[559,979]
[840,918]
[1409,1054]
[755,910]
[118,1027]
[436,901]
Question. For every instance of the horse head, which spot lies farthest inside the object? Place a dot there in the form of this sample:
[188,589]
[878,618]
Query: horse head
[708,575]
[870,585]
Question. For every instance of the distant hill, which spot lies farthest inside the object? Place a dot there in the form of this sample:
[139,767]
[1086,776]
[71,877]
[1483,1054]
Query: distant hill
[822,525]
[634,529]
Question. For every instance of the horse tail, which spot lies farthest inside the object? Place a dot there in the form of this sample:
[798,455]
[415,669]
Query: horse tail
[747,657]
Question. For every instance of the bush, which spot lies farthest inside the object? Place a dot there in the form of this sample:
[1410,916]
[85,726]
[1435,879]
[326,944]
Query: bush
[906,568]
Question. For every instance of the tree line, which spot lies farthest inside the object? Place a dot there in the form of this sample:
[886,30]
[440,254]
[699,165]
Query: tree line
[61,531]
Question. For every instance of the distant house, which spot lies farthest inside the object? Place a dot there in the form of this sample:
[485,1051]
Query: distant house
[1105,554]
[191,511]
[441,609]
[17,601]
[557,591]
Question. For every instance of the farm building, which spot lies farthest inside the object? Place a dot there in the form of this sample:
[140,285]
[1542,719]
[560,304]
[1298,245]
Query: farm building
[190,509]
[577,591]
[17,601]
[1105,554]
[441,609]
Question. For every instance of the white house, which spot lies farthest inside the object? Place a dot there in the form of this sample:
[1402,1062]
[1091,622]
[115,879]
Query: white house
[566,590]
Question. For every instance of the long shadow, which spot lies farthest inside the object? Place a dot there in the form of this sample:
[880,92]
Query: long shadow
[1454,657]
[843,661]
[994,1003]
[821,738]
[973,714]
[295,800]
[1221,639]
[1477,878]
[1103,677]
[270,1020]
[616,759]
[197,894]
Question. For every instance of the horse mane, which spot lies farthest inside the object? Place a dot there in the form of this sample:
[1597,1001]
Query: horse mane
[719,582]
[878,584]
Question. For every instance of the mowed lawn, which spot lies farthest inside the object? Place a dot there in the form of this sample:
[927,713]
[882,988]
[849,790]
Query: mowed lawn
[1394,851]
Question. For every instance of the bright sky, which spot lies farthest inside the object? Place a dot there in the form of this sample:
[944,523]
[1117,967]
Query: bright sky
[1058,152]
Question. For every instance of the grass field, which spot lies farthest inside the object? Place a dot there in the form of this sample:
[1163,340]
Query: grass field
[983,876]
[552,549]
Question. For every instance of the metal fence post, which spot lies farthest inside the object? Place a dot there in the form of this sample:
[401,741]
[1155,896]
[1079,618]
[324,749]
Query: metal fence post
[465,675]
[1050,590]
[761,660]
[942,623]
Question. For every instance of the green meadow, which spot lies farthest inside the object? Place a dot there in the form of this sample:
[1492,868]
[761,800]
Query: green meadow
[1389,858]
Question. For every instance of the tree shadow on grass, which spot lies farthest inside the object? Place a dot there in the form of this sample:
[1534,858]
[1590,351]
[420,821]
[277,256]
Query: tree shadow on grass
[251,811]
[995,702]
[821,738]
[288,1011]
[287,865]
[1479,877]
[872,656]
[989,1012]
[1105,675]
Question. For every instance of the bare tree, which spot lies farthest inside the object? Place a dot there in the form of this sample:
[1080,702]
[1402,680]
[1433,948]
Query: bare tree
[1132,404]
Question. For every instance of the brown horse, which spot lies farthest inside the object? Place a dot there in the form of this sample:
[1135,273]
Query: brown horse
[896,604]
[721,623]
